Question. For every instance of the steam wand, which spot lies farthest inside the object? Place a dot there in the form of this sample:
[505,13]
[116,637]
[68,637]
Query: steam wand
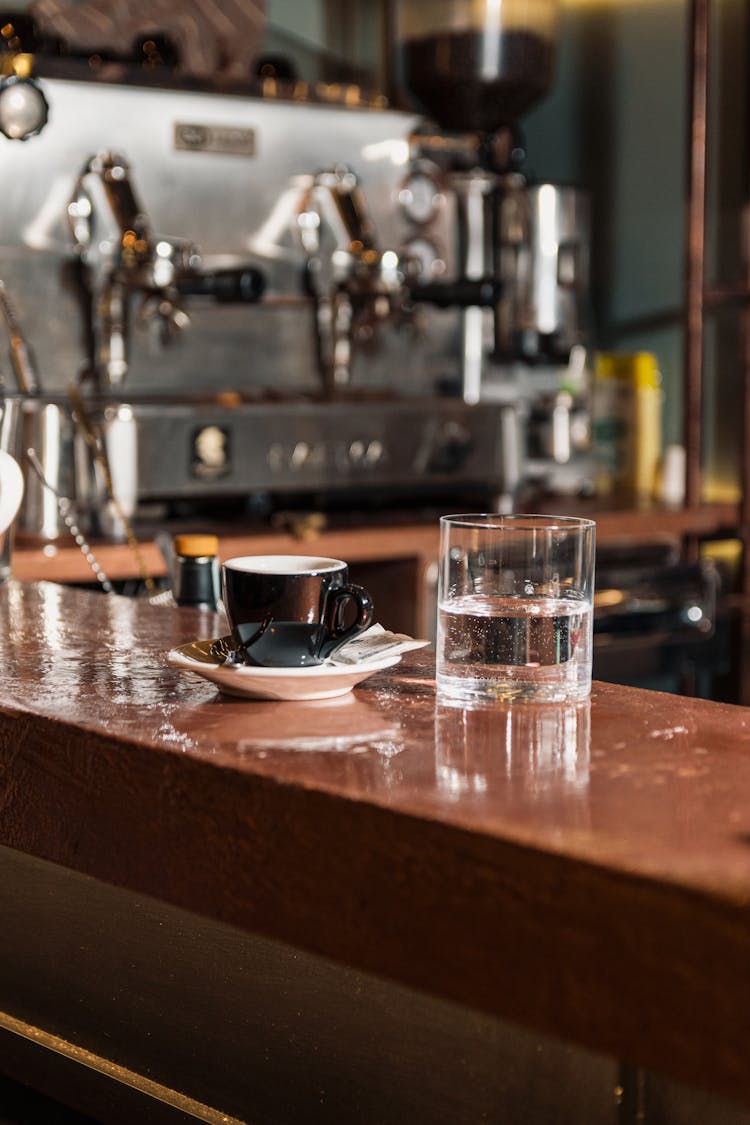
[21,358]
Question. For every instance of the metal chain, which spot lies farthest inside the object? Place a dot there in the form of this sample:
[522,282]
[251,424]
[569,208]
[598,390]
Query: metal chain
[65,507]
[92,441]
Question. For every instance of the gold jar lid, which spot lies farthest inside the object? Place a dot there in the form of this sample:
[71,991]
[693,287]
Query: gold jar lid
[196,546]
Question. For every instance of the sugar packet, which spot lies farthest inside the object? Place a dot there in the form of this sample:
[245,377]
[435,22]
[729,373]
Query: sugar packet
[373,643]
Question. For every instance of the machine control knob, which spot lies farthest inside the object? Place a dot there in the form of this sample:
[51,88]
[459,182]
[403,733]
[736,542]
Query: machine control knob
[275,456]
[374,452]
[300,455]
[452,449]
[356,451]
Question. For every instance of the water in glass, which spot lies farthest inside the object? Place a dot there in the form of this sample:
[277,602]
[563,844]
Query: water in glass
[534,648]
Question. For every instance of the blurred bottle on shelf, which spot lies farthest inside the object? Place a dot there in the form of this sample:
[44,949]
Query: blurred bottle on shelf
[627,425]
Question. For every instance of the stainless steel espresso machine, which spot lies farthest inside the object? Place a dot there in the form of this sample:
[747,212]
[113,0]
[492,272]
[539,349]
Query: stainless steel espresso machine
[263,294]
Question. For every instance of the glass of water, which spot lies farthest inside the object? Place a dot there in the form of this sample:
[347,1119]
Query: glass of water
[515,607]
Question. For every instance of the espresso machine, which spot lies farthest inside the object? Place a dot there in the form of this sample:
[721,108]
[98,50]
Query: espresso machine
[256,294]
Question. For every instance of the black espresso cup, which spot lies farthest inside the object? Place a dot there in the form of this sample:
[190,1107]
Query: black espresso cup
[291,611]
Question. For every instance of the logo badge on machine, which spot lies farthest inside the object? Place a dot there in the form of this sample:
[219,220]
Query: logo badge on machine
[229,140]
[211,453]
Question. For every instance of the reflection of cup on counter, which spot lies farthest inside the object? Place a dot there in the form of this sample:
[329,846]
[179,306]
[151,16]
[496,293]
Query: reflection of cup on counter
[357,737]
[539,752]
[291,610]
[346,723]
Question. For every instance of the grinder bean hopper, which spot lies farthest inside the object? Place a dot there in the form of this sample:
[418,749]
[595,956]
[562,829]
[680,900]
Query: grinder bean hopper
[477,65]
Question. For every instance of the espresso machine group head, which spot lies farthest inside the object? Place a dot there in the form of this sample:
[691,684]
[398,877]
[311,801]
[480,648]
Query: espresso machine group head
[121,257]
[354,283]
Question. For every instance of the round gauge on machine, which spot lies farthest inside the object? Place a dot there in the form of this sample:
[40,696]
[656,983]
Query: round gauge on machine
[423,258]
[23,108]
[420,197]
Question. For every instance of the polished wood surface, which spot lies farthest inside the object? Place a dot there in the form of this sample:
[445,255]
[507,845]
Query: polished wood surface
[582,871]
[63,561]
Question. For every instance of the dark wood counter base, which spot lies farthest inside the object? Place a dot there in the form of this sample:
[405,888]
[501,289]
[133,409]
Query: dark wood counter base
[131,1010]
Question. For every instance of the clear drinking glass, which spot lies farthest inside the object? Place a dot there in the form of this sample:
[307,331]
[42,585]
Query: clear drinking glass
[515,607]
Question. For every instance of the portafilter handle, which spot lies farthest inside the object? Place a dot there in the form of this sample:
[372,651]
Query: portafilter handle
[465,293]
[231,286]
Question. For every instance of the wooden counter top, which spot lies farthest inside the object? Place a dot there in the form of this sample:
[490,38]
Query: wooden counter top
[371,538]
[581,871]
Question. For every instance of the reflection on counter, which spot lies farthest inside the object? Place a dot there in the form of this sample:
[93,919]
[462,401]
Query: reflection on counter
[516,756]
[363,737]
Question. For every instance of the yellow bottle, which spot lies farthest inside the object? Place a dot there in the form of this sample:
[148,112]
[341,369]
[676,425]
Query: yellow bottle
[627,409]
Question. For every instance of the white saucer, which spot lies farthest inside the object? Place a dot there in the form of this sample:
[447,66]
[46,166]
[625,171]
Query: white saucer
[322,681]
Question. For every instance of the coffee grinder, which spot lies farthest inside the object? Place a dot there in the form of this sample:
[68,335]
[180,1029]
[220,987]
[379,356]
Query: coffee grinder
[519,266]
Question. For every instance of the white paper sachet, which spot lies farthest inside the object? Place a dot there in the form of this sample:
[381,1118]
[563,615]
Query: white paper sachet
[373,643]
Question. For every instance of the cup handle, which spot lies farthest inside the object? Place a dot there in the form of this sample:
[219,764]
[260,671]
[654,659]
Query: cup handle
[336,602]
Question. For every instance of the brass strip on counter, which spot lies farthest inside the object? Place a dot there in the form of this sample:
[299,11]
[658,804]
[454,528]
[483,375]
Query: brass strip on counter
[109,1069]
